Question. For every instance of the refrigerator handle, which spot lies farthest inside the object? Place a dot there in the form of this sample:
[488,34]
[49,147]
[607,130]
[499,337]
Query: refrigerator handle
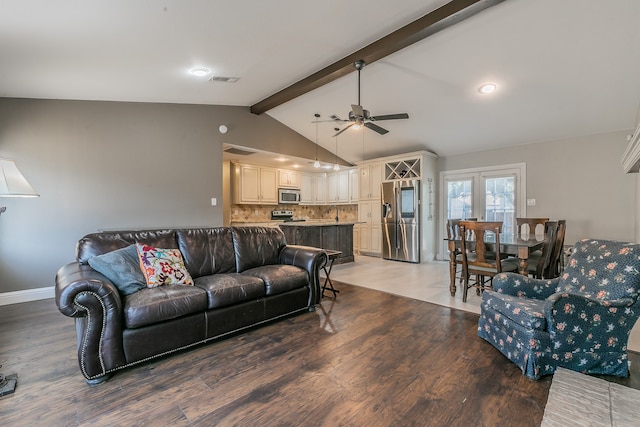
[386,208]
[397,201]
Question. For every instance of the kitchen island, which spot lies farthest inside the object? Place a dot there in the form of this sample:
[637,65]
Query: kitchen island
[337,236]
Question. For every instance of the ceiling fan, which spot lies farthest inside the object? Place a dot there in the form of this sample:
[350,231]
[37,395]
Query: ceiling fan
[358,116]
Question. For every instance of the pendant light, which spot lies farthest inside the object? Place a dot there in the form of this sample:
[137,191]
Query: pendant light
[316,164]
[336,167]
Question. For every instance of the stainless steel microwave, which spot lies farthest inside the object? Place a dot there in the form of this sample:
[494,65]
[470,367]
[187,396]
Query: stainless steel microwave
[288,196]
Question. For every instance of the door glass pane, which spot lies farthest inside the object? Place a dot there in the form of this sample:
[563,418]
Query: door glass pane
[500,202]
[460,199]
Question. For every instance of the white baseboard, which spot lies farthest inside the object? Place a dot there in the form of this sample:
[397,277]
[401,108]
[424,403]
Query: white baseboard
[27,295]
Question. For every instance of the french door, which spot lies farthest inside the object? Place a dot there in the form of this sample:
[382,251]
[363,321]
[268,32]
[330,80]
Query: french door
[488,194]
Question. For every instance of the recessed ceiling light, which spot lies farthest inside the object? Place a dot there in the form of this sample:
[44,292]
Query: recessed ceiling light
[487,88]
[200,71]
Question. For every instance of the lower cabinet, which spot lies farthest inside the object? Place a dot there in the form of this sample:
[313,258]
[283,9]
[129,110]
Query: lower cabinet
[370,239]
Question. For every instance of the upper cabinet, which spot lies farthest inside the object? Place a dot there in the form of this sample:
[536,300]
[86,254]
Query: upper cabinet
[306,188]
[258,185]
[254,184]
[288,178]
[320,188]
[354,180]
[370,180]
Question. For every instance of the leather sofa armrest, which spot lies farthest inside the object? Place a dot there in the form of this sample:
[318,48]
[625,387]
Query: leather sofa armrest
[94,302]
[310,259]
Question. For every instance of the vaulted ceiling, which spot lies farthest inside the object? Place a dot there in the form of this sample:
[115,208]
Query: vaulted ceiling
[563,68]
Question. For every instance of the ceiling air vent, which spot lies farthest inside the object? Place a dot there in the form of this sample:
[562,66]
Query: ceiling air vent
[224,79]
[238,151]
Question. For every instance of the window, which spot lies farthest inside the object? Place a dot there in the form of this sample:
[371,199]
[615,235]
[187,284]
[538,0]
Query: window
[489,194]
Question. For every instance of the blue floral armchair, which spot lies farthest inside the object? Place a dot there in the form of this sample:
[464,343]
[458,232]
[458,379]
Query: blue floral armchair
[580,320]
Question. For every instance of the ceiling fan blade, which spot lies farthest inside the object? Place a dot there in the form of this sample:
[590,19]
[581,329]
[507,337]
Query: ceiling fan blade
[358,111]
[376,128]
[343,129]
[337,119]
[391,117]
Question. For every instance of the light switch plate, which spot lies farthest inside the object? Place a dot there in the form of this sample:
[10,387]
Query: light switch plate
[531,202]
[214,201]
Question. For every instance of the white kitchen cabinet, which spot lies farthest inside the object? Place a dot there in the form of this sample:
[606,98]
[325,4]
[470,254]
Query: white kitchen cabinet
[354,179]
[370,229]
[306,188]
[255,185]
[319,188]
[370,180]
[338,187]
[288,178]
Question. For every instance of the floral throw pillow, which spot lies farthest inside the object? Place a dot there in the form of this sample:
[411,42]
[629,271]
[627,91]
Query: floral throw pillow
[162,266]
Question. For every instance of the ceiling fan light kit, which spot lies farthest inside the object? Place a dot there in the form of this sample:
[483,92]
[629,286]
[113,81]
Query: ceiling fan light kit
[359,117]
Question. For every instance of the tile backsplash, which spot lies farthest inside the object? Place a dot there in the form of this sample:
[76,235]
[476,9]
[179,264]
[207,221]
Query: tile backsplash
[260,213]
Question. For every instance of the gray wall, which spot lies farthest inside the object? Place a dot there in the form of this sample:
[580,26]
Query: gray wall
[580,180]
[113,165]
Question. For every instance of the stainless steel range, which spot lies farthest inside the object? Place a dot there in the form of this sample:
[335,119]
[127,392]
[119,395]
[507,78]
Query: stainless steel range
[284,215]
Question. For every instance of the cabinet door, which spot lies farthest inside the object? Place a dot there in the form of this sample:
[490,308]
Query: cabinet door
[356,238]
[249,184]
[343,187]
[320,189]
[332,188]
[375,180]
[288,178]
[364,212]
[306,189]
[365,238]
[354,178]
[376,239]
[268,186]
[364,182]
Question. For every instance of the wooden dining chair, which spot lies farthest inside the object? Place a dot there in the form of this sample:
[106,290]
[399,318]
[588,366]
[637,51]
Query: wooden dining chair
[531,223]
[553,268]
[475,261]
[453,232]
[538,265]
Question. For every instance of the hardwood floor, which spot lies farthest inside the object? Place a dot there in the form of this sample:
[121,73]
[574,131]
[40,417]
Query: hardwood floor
[368,358]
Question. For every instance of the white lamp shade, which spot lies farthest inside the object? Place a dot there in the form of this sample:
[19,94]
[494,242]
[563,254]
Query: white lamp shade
[12,183]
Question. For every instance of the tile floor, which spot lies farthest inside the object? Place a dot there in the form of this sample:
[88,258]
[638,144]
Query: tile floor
[426,282]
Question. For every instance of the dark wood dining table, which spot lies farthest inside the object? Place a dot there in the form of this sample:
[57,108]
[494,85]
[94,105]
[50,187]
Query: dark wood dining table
[518,245]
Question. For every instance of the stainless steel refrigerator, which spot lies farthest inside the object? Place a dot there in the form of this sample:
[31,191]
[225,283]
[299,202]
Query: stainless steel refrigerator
[401,220]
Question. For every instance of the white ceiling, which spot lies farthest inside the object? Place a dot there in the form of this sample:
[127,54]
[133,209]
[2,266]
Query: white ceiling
[564,68]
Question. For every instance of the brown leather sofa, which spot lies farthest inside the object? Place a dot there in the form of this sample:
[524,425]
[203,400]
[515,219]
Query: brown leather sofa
[243,276]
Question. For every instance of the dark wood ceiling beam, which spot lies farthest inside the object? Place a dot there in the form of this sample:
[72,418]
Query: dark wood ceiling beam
[441,18]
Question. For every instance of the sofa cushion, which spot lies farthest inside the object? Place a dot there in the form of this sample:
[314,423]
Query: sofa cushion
[527,312]
[100,243]
[163,266]
[228,289]
[256,246]
[280,278]
[122,268]
[154,305]
[207,251]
